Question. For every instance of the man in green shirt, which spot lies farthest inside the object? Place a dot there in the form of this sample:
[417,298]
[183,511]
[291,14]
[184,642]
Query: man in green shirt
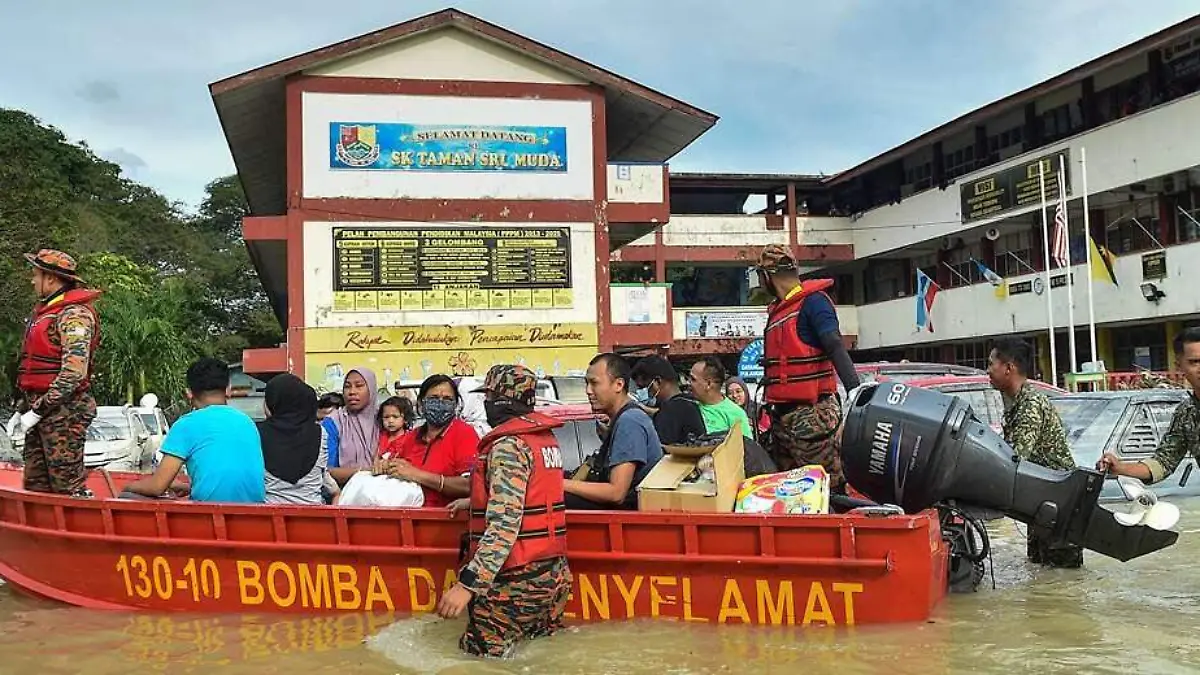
[719,413]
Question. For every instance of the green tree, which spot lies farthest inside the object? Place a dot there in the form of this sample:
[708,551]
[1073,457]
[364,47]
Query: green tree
[176,284]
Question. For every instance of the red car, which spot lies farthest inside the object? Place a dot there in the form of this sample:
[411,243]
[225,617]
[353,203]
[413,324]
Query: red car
[977,391]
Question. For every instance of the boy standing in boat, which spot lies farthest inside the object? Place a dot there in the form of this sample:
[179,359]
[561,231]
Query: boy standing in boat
[803,359]
[54,374]
[516,582]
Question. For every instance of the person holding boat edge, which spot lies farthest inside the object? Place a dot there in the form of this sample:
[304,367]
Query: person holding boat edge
[219,444]
[803,357]
[1183,436]
[516,582]
[54,374]
[629,449]
[1035,431]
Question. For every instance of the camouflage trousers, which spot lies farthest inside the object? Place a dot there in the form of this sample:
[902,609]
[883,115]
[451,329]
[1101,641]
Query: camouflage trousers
[1040,551]
[54,448]
[523,603]
[808,435]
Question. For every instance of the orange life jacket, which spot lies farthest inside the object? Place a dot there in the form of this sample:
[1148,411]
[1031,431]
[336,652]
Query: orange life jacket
[543,532]
[41,358]
[793,371]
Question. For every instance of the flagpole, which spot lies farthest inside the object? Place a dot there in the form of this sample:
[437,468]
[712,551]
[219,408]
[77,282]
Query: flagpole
[1062,202]
[1087,230]
[1046,291]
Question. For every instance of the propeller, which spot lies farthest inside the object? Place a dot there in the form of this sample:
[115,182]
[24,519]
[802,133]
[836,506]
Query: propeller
[1147,510]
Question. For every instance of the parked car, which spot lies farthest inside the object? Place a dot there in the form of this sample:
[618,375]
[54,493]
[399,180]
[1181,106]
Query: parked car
[117,440]
[1130,423]
[155,420]
[578,437]
[251,404]
[563,388]
[977,391]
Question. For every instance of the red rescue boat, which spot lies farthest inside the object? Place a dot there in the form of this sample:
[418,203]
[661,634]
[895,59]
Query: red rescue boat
[108,553]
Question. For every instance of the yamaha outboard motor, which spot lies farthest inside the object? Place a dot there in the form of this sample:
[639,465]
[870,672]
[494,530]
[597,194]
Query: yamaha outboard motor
[918,448]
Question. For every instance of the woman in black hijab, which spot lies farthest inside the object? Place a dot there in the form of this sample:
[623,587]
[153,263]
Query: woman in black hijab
[293,443]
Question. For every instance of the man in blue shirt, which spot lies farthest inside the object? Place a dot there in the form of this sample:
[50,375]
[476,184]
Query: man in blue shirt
[218,443]
[629,452]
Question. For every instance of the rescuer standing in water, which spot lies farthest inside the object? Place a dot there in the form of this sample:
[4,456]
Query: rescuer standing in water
[517,581]
[803,350]
[54,374]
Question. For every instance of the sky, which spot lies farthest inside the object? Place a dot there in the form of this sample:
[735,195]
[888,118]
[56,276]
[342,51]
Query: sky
[801,86]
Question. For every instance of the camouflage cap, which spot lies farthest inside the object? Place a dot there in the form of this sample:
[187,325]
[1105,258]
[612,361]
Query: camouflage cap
[55,262]
[516,383]
[775,258]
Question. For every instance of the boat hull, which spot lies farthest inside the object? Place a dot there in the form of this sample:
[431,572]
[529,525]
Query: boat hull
[704,568]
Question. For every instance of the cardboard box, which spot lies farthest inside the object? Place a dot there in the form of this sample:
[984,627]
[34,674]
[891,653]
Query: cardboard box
[663,488]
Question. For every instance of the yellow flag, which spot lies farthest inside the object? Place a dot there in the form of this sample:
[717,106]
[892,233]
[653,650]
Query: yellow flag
[1001,291]
[1102,263]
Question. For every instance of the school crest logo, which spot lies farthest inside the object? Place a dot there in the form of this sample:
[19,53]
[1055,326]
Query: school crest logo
[357,145]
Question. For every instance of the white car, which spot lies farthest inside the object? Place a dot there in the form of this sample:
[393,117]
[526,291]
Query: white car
[117,440]
[155,420]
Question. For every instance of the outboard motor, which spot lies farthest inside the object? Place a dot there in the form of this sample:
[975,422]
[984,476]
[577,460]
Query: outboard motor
[919,448]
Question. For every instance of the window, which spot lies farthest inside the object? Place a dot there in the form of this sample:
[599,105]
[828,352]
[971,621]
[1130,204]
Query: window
[1141,435]
[1134,227]
[959,162]
[1145,346]
[1187,217]
[926,354]
[1014,254]
[984,408]
[1162,413]
[973,354]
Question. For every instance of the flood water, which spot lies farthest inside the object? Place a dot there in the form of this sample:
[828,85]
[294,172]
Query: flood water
[1138,617]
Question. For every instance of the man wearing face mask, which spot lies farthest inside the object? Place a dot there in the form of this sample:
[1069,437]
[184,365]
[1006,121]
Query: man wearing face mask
[803,358]
[516,580]
[678,416]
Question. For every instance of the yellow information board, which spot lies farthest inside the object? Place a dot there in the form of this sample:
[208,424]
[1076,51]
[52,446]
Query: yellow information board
[389,269]
[415,352]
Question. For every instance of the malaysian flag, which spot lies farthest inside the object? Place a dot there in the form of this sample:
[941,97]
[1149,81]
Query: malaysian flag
[1059,246]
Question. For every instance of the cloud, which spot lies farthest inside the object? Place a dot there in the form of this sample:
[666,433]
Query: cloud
[800,86]
[128,160]
[99,92]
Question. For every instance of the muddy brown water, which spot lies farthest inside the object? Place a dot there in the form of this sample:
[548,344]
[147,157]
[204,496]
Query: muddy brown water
[1110,617]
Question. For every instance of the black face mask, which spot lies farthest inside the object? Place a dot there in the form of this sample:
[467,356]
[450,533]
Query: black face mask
[502,410]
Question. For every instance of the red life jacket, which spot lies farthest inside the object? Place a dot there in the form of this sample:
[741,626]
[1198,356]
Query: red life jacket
[41,358]
[543,532]
[794,371]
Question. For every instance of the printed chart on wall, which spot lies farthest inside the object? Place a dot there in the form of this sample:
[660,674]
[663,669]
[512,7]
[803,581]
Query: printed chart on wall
[396,269]
[398,146]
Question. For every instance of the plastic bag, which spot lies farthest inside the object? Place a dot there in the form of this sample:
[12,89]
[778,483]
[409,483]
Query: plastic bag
[364,489]
[800,491]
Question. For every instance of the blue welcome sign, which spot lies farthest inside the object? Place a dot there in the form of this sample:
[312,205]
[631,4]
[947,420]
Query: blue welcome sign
[398,146]
[750,362]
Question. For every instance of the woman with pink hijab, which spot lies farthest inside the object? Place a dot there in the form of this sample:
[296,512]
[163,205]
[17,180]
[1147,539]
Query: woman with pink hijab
[353,430]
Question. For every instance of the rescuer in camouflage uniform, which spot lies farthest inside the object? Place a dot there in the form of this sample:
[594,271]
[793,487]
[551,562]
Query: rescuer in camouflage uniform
[1183,436]
[803,358]
[517,581]
[54,375]
[1035,432]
